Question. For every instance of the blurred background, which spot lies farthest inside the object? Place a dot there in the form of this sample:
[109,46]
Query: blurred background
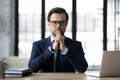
[95,23]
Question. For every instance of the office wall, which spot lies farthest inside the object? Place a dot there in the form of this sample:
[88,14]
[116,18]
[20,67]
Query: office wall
[6,28]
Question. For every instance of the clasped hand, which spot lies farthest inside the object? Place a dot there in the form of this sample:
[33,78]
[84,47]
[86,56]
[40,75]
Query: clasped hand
[58,42]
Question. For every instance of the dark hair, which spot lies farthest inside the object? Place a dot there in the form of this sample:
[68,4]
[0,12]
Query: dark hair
[57,10]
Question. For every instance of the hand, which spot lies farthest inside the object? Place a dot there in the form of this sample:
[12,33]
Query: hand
[55,46]
[59,42]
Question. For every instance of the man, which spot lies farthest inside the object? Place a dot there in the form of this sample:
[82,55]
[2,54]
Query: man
[57,53]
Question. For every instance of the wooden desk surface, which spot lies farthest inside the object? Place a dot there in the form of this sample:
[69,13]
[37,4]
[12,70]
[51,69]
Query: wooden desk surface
[60,76]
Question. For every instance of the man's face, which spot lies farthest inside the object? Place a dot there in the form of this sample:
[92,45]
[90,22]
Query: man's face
[57,23]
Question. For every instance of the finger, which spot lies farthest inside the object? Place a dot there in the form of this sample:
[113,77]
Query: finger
[55,43]
[59,34]
[56,39]
[55,46]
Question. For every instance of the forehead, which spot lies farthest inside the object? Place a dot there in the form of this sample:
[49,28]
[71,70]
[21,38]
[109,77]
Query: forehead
[58,16]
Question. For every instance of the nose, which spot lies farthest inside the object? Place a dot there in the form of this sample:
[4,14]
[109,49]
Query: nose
[58,25]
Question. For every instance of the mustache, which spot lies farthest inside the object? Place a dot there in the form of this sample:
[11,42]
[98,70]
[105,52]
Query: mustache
[62,34]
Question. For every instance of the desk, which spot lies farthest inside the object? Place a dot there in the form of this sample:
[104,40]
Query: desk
[60,76]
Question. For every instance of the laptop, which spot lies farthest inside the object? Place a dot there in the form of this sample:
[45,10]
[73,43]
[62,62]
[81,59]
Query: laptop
[110,66]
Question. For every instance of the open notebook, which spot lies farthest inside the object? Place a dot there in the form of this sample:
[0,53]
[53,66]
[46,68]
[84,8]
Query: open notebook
[110,66]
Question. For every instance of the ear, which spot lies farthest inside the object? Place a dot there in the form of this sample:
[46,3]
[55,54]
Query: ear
[49,24]
[67,23]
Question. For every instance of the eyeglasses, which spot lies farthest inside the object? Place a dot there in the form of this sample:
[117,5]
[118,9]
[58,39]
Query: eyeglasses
[55,23]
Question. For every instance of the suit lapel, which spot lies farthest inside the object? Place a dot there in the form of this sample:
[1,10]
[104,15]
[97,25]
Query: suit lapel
[48,42]
[67,43]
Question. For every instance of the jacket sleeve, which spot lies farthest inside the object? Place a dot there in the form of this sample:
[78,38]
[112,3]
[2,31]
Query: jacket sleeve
[76,58]
[38,57]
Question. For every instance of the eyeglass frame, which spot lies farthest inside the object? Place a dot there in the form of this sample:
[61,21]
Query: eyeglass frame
[55,23]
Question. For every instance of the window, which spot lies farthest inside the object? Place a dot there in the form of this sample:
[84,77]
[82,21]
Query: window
[89,25]
[60,3]
[90,29]
[113,25]
[29,25]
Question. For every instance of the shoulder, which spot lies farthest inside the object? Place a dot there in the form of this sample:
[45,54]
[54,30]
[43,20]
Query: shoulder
[74,45]
[41,42]
[72,42]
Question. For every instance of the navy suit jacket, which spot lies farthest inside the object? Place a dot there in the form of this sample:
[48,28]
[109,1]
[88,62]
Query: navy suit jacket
[43,60]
